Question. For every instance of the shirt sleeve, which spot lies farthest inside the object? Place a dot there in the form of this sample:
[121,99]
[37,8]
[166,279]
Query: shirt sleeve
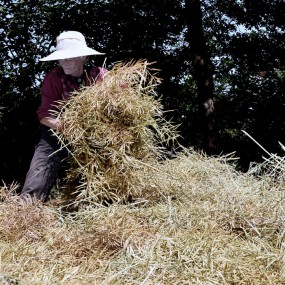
[51,93]
[98,73]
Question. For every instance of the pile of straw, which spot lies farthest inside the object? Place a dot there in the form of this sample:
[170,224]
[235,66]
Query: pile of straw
[114,128]
[211,225]
[194,220]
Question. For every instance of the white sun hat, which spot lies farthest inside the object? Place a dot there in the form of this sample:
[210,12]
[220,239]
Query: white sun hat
[70,44]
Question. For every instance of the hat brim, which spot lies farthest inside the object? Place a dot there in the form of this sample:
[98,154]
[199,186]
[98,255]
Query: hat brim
[63,54]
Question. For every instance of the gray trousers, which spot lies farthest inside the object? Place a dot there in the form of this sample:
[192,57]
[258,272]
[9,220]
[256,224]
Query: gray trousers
[45,166]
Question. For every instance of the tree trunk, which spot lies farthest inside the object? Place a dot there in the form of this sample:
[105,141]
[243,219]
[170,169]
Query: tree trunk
[203,72]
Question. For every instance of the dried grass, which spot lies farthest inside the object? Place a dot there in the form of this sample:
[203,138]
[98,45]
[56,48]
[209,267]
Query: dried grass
[207,224]
[193,219]
[112,129]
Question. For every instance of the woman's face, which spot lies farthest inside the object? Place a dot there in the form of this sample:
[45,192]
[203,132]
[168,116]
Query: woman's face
[72,66]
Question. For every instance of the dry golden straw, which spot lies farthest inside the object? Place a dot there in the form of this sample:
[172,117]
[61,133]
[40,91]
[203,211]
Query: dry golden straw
[193,219]
[112,129]
[207,224]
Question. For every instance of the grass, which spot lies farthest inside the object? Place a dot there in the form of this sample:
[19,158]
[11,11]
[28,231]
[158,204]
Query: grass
[205,224]
[113,129]
[188,219]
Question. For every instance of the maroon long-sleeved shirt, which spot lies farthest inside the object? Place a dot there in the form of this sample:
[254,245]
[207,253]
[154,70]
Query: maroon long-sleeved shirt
[58,86]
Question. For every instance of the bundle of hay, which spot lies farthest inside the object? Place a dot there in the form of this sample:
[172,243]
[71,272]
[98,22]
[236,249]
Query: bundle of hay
[112,129]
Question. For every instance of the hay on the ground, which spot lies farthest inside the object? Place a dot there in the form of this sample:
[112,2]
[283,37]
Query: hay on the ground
[210,225]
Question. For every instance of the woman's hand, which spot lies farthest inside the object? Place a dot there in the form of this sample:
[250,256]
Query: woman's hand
[54,124]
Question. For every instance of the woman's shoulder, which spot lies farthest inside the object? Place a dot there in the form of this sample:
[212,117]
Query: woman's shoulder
[55,75]
[56,72]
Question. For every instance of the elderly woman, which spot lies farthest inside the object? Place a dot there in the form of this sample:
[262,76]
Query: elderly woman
[71,54]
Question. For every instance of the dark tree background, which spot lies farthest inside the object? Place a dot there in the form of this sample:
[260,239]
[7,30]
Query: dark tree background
[243,41]
[202,73]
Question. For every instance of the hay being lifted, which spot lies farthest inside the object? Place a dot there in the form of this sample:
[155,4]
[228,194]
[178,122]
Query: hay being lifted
[112,129]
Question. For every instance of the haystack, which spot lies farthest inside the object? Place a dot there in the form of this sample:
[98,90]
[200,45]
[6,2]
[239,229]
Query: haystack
[114,128]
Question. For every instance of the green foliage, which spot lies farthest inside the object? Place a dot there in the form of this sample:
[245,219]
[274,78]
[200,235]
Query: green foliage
[246,44]
[245,40]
